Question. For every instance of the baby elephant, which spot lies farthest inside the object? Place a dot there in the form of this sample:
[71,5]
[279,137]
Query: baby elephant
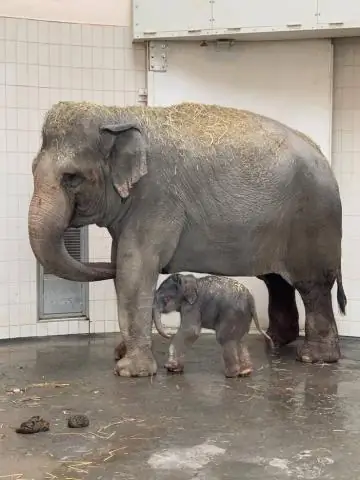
[218,303]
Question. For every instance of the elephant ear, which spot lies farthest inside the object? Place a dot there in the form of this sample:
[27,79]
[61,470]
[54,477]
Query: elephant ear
[189,287]
[124,147]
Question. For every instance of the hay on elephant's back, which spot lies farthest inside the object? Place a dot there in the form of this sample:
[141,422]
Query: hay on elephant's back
[191,125]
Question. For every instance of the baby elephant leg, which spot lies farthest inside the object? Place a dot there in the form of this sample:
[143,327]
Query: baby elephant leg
[182,340]
[245,361]
[236,359]
[236,356]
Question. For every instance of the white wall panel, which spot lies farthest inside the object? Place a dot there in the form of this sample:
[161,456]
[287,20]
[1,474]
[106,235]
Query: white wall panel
[245,19]
[346,12]
[289,81]
[346,163]
[171,16]
[257,13]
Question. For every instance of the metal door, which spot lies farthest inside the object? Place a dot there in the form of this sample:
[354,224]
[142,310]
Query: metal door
[59,298]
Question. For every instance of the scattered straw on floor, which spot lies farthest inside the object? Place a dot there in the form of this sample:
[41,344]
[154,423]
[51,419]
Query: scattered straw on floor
[22,390]
[14,476]
[101,429]
[79,467]
[112,453]
[26,399]
[49,384]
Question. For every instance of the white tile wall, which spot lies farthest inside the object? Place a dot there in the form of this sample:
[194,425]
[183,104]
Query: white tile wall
[41,63]
[346,163]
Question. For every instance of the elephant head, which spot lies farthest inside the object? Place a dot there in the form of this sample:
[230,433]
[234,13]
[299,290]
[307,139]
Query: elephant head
[176,290]
[90,158]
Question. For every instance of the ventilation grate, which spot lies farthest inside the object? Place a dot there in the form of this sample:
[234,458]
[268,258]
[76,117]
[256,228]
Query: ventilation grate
[72,240]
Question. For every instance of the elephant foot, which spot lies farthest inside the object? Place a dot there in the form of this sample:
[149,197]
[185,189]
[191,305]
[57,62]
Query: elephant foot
[138,363]
[120,351]
[324,351]
[238,371]
[321,342]
[237,360]
[283,336]
[174,366]
[283,314]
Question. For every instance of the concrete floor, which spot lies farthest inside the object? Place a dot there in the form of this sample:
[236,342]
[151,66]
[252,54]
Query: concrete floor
[287,421]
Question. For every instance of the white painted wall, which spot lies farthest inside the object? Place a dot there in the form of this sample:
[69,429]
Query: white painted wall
[289,81]
[106,12]
[346,163]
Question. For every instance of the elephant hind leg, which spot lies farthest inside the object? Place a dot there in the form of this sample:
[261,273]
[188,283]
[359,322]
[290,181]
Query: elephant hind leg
[236,359]
[321,342]
[282,310]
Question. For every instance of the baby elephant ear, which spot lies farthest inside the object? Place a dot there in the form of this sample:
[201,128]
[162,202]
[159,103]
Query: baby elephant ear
[189,286]
[124,148]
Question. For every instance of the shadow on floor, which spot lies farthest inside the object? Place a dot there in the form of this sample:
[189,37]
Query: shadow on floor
[288,420]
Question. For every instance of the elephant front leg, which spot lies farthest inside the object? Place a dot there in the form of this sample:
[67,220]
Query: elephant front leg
[321,342]
[282,310]
[182,340]
[135,285]
[120,349]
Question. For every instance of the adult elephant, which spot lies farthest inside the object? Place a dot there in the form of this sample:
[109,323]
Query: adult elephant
[192,187]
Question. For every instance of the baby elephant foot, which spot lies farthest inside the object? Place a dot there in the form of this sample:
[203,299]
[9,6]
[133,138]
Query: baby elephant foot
[174,366]
[237,360]
[139,363]
[238,371]
[120,351]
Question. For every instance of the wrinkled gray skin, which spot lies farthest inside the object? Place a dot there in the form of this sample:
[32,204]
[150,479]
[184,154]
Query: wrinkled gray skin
[268,208]
[217,303]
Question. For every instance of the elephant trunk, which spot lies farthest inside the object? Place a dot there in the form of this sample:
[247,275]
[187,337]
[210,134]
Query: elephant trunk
[50,213]
[157,320]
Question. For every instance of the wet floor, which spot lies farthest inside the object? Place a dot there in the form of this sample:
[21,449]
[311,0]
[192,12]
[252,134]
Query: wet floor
[287,421]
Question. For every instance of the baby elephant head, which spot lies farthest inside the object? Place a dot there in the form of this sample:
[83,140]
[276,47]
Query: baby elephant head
[176,290]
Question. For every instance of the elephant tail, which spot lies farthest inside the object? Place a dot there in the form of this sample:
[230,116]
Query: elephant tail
[256,321]
[157,320]
[341,297]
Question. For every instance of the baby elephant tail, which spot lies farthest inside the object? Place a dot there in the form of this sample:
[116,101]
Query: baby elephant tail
[257,324]
[157,320]
[341,297]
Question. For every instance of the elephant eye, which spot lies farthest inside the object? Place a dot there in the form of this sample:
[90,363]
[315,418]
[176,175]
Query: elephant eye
[72,180]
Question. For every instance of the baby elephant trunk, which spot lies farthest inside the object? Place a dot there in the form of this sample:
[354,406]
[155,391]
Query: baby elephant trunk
[157,320]
[257,324]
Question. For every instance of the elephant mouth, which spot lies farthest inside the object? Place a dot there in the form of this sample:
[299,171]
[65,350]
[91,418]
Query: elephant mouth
[167,306]
[79,219]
